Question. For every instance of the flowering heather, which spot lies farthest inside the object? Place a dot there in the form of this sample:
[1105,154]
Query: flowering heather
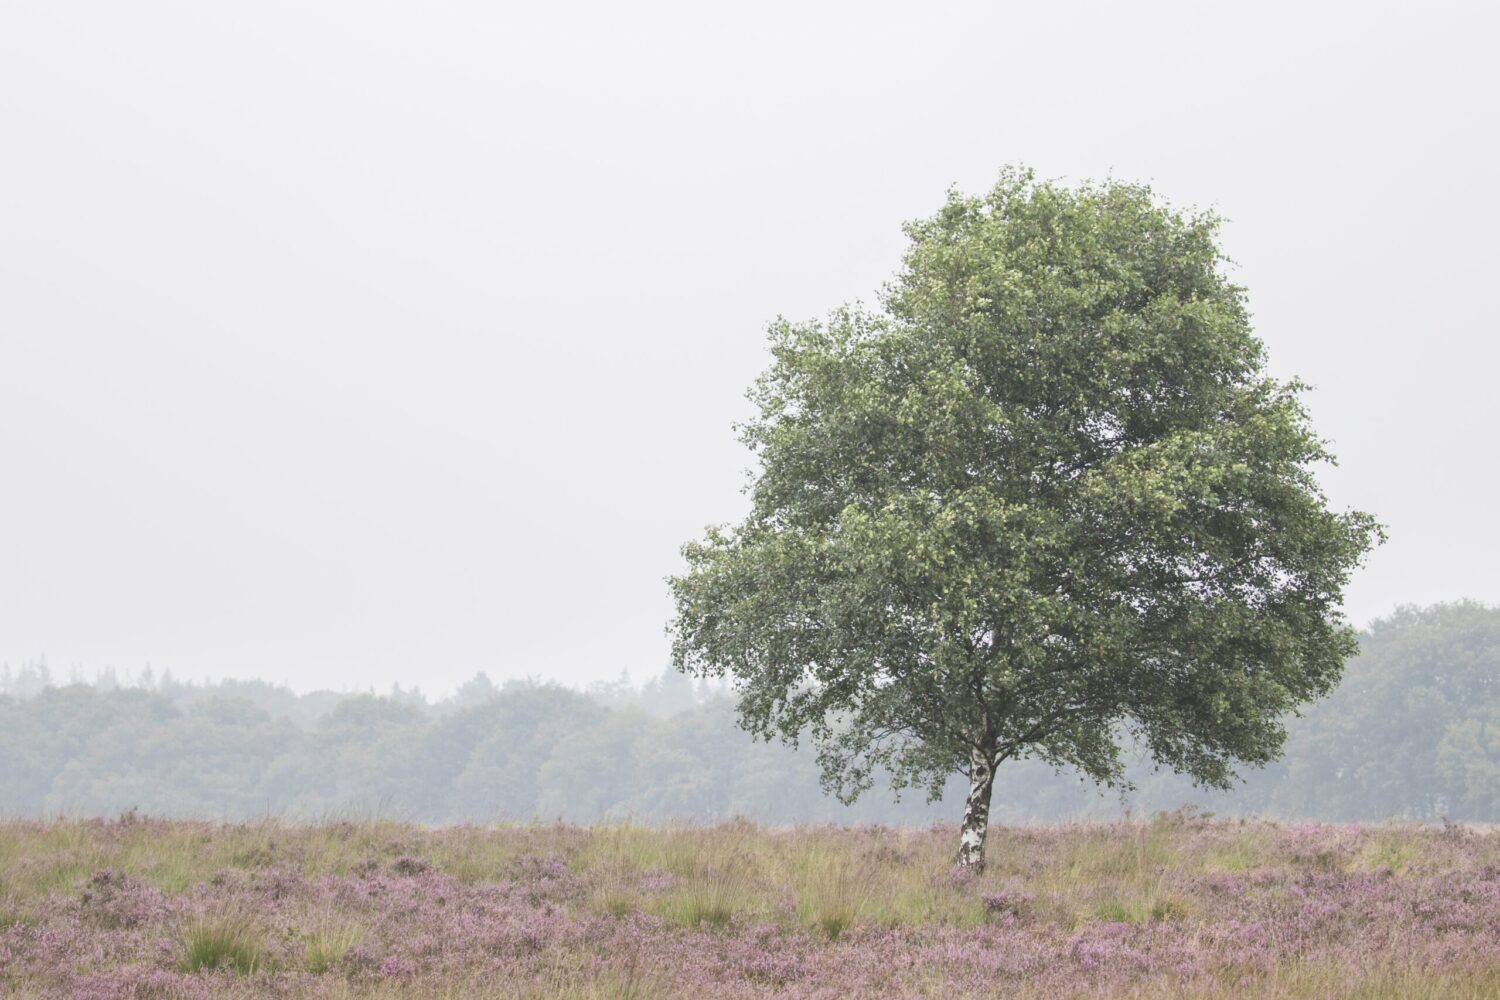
[1180,906]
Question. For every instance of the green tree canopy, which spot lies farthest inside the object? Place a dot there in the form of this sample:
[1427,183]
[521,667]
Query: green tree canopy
[1046,496]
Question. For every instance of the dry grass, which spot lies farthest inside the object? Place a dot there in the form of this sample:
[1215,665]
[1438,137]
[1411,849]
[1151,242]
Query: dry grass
[829,888]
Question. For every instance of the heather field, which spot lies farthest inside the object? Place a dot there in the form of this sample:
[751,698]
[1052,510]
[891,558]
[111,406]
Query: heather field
[1177,906]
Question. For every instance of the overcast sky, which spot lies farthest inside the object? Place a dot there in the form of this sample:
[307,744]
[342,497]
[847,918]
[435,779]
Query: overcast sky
[349,343]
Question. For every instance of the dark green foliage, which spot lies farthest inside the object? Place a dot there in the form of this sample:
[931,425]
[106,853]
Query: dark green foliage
[1046,498]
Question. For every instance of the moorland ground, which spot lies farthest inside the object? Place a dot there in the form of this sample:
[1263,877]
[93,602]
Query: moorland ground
[1176,906]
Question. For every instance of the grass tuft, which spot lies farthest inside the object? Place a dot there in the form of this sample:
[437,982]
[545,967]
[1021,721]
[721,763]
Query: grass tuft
[708,904]
[1388,850]
[325,947]
[224,942]
[834,892]
[1143,910]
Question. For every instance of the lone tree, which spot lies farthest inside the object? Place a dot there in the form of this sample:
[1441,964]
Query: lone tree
[1045,498]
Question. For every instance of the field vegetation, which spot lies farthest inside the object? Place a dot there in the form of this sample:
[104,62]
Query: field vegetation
[1181,905]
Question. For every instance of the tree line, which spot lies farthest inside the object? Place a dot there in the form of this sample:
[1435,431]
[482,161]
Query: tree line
[1413,732]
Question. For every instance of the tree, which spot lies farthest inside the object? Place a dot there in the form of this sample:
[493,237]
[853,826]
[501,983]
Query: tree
[1413,730]
[1046,497]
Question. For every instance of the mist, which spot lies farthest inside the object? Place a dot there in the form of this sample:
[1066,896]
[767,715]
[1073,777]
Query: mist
[347,345]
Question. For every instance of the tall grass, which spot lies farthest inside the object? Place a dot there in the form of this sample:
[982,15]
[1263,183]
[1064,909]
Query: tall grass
[224,941]
[326,945]
[834,891]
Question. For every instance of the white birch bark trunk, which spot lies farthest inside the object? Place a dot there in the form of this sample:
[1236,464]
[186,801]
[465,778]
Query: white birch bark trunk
[976,813]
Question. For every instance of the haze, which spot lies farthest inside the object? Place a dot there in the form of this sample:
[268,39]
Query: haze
[345,344]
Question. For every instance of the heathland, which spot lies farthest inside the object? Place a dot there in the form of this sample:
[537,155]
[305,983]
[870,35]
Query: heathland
[1181,905]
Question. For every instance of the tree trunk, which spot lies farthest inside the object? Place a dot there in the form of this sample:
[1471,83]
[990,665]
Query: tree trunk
[976,813]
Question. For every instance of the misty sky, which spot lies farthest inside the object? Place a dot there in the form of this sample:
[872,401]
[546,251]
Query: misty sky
[349,343]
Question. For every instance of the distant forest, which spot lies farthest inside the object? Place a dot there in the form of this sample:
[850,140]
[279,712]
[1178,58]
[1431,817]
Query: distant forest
[1413,732]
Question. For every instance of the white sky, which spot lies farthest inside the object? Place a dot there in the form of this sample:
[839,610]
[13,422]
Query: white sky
[348,343]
